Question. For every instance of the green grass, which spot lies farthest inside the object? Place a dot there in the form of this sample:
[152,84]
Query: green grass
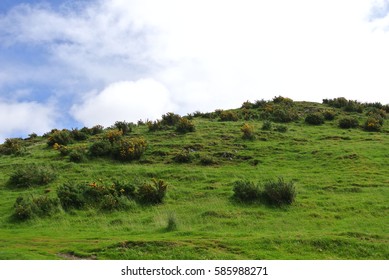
[341,209]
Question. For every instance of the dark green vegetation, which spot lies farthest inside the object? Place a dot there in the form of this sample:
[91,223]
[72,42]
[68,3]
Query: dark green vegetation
[259,182]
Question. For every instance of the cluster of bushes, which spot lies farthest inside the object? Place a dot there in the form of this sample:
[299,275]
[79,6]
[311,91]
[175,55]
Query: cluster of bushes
[347,105]
[66,136]
[315,118]
[12,146]
[228,116]
[29,207]
[32,175]
[169,120]
[348,122]
[274,192]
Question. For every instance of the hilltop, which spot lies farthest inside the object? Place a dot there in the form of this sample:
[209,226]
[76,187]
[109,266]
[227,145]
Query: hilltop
[195,186]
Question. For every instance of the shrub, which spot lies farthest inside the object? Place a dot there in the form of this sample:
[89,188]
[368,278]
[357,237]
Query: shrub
[155,126]
[170,119]
[79,135]
[63,150]
[124,127]
[126,189]
[12,146]
[183,156]
[152,193]
[129,149]
[348,122]
[77,155]
[228,116]
[100,148]
[113,136]
[32,175]
[35,206]
[284,115]
[373,124]
[71,196]
[248,131]
[247,105]
[246,191]
[184,126]
[281,128]
[285,100]
[259,103]
[97,129]
[208,160]
[329,115]
[279,192]
[267,125]
[171,223]
[315,118]
[61,137]
[336,102]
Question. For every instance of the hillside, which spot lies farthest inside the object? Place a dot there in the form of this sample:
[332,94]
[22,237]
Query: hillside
[167,189]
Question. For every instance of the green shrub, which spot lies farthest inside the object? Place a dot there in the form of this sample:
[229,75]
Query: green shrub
[129,149]
[248,131]
[97,129]
[170,119]
[124,127]
[113,136]
[208,160]
[184,126]
[61,137]
[152,193]
[79,135]
[281,128]
[100,148]
[348,122]
[329,115]
[12,146]
[247,105]
[77,156]
[183,156]
[63,150]
[284,115]
[31,175]
[228,116]
[155,126]
[279,192]
[315,118]
[123,188]
[267,125]
[373,124]
[246,191]
[71,196]
[171,223]
[35,206]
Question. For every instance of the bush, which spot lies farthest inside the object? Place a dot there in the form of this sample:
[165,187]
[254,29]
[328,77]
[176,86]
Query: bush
[208,160]
[12,146]
[61,137]
[152,193]
[34,206]
[248,131]
[348,122]
[124,127]
[281,128]
[228,116]
[79,135]
[63,150]
[97,129]
[77,156]
[284,115]
[170,119]
[373,124]
[329,115]
[184,126]
[71,196]
[279,192]
[315,118]
[285,100]
[130,149]
[32,175]
[183,156]
[100,148]
[246,191]
[113,136]
[126,189]
[267,125]
[155,126]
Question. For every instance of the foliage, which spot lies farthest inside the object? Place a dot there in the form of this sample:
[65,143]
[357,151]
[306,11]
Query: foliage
[184,156]
[170,119]
[124,127]
[113,136]
[100,148]
[279,192]
[31,175]
[97,129]
[284,114]
[184,126]
[248,131]
[281,128]
[246,191]
[79,135]
[373,124]
[152,193]
[285,100]
[155,126]
[129,149]
[329,115]
[228,116]
[63,150]
[12,146]
[315,118]
[61,137]
[77,155]
[71,196]
[208,160]
[35,206]
[267,125]
[348,122]
[171,223]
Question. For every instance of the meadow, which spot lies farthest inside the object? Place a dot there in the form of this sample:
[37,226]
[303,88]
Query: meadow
[340,175]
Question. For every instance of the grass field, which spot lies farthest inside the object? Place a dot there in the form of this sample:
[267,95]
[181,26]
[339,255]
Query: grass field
[341,210]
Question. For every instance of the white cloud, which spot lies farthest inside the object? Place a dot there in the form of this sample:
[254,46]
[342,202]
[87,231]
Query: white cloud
[126,100]
[24,118]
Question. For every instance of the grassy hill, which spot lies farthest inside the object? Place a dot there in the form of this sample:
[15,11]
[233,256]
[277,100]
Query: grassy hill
[90,194]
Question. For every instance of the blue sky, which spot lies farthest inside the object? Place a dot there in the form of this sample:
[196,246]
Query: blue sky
[68,63]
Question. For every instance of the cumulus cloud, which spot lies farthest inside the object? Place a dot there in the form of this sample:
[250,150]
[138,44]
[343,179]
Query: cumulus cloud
[126,100]
[23,118]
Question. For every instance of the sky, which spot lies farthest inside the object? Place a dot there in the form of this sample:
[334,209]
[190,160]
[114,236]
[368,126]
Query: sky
[75,63]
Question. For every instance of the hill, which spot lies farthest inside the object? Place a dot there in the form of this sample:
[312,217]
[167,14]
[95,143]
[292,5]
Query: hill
[195,187]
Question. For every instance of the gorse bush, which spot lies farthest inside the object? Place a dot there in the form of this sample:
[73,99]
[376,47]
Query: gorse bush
[248,131]
[329,115]
[279,192]
[31,175]
[267,125]
[284,114]
[129,149]
[71,196]
[61,137]
[184,126]
[113,136]
[79,135]
[208,160]
[184,156]
[281,128]
[12,146]
[100,148]
[246,191]
[373,124]
[155,126]
[77,156]
[170,119]
[316,118]
[228,116]
[348,122]
[62,149]
[34,206]
[152,193]
[124,127]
